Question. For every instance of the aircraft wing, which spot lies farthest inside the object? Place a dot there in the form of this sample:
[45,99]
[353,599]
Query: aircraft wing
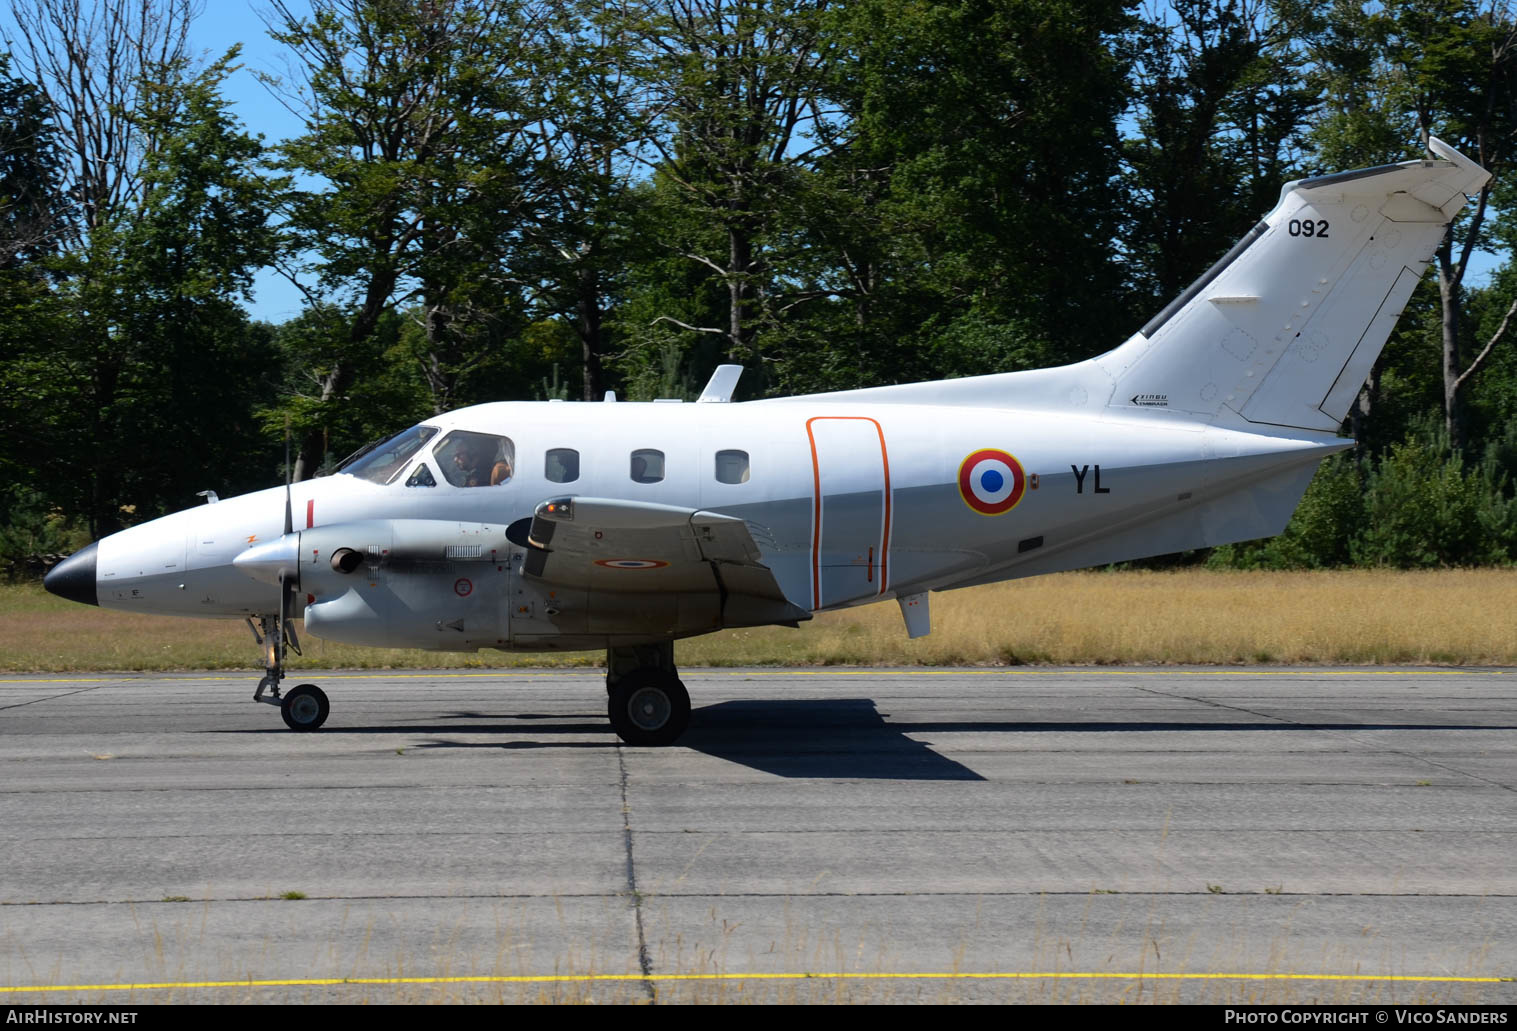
[608,546]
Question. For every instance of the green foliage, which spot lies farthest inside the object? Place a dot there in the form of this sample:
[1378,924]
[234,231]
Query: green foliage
[32,201]
[585,232]
[136,368]
[1221,112]
[1393,74]
[985,143]
[419,162]
[1423,508]
[31,528]
[1417,506]
[740,118]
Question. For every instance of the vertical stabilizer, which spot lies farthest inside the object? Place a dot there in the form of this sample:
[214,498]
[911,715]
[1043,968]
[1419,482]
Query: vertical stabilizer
[1283,330]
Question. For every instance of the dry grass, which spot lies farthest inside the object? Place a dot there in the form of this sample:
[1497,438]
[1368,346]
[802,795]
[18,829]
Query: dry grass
[1450,617]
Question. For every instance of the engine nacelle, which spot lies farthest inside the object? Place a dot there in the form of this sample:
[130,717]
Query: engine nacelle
[407,583]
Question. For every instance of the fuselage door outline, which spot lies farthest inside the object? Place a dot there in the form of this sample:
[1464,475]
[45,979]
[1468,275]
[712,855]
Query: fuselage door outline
[837,526]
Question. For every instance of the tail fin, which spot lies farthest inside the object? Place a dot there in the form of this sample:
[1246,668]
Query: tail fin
[1284,329]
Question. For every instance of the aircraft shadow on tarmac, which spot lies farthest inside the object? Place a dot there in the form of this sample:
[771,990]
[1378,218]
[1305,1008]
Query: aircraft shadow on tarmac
[842,738]
[846,738]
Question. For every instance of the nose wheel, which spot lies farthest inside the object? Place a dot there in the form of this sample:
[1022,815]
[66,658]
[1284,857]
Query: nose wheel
[305,707]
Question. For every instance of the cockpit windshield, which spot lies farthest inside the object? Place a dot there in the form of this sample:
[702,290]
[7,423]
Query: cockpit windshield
[385,461]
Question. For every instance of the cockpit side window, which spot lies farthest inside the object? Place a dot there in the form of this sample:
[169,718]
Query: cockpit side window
[421,476]
[469,459]
[386,461]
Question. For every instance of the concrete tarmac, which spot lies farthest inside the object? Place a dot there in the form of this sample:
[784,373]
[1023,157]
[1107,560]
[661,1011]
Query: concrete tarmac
[1165,834]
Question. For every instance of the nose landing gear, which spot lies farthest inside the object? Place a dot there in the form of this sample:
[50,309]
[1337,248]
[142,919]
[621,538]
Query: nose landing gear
[305,707]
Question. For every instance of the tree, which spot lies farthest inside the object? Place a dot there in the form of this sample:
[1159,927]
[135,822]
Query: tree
[1398,72]
[1222,114]
[978,191]
[1457,77]
[577,238]
[417,155]
[166,278]
[33,209]
[739,89]
[90,60]
[143,383]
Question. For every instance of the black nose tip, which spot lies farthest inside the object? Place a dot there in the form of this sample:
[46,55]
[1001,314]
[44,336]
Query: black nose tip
[74,577]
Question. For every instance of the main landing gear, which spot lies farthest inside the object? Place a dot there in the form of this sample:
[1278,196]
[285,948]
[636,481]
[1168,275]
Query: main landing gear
[646,701]
[305,707]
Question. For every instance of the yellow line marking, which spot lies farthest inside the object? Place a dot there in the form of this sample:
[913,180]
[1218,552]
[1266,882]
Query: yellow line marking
[696,671]
[296,674]
[1034,975]
[1115,673]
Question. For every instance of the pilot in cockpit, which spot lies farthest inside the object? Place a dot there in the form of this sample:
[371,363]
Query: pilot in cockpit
[475,459]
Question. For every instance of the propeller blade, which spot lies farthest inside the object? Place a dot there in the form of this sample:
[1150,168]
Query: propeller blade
[289,514]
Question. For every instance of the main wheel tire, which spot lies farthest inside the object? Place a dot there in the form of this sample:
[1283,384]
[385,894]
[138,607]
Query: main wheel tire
[305,707]
[649,707]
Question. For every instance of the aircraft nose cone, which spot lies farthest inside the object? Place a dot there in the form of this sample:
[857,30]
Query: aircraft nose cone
[74,577]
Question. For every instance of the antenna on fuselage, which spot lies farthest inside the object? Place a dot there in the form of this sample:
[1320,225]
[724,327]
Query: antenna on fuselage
[722,383]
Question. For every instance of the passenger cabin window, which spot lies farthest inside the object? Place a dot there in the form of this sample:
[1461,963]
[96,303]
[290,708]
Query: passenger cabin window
[732,467]
[382,462]
[469,459]
[561,465]
[647,466]
[421,477]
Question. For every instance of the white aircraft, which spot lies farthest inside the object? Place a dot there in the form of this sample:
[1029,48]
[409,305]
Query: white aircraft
[544,526]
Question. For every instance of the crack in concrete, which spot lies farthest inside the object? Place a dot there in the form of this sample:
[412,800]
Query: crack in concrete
[644,960]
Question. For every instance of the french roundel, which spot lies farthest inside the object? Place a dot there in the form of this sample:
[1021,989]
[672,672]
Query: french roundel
[991,481]
[631,563]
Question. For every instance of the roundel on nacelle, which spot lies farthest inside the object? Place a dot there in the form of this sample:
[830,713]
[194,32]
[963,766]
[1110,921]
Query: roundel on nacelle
[991,482]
